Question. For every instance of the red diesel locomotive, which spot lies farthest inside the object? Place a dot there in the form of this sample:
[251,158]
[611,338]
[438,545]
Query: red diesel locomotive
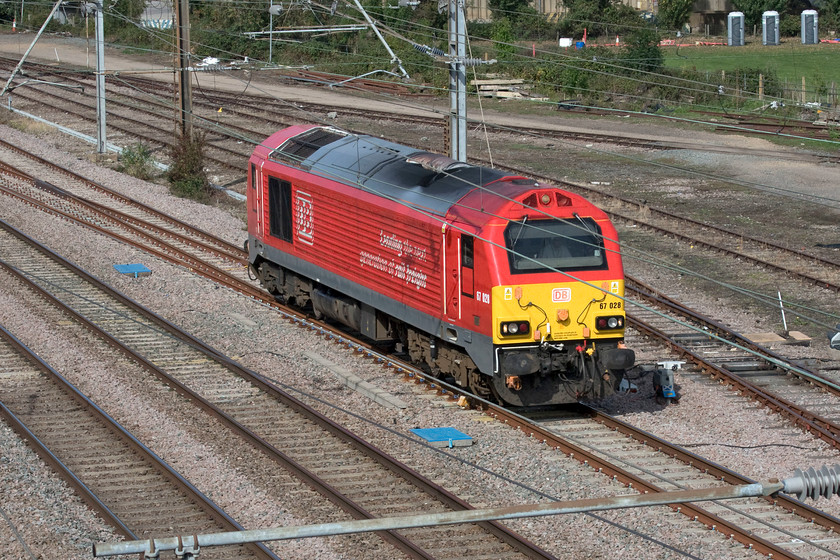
[511,287]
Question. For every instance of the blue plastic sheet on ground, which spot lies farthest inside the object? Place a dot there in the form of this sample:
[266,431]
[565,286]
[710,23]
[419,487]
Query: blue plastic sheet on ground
[443,436]
[135,269]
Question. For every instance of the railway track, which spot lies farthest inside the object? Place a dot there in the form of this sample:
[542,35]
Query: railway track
[820,270]
[224,263]
[48,189]
[779,527]
[344,469]
[155,130]
[816,267]
[808,398]
[116,475]
[84,199]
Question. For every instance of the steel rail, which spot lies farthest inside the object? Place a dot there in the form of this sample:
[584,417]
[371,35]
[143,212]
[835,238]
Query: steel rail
[85,493]
[153,245]
[43,451]
[419,481]
[592,194]
[208,237]
[119,217]
[722,473]
[436,120]
[298,470]
[744,536]
[649,293]
[820,427]
[134,133]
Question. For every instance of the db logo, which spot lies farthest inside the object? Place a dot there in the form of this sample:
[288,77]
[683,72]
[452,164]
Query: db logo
[561,294]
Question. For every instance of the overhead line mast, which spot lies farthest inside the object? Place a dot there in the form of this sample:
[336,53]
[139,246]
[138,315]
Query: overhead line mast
[182,27]
[457,81]
[456,138]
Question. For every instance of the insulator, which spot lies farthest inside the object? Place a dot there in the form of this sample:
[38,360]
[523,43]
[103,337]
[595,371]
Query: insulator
[477,61]
[814,483]
[432,51]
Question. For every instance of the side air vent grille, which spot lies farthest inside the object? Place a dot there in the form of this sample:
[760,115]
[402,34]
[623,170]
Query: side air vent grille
[296,149]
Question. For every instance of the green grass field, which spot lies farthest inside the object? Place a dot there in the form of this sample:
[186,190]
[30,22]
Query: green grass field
[791,61]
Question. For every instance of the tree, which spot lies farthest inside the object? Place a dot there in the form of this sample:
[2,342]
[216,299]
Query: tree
[504,38]
[830,14]
[642,50]
[752,10]
[510,9]
[583,14]
[598,17]
[673,14]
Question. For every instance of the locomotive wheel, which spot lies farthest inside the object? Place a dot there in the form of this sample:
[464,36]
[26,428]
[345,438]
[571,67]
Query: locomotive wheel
[479,385]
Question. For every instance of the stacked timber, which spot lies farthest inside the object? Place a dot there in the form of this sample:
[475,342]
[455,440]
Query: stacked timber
[505,88]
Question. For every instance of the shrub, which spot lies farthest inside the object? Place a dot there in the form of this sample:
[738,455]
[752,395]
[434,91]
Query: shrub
[136,160]
[186,175]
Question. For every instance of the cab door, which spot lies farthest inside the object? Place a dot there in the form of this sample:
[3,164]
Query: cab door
[460,273]
[255,197]
[452,275]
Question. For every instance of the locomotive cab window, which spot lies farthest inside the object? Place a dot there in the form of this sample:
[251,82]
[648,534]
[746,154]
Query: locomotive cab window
[280,209]
[542,245]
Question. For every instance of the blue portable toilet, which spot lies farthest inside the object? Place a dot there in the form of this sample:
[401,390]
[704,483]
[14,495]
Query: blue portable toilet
[810,27]
[735,29]
[770,28]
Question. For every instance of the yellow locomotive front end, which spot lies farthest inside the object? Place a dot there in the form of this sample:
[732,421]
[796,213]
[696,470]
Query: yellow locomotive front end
[558,312]
[551,313]
[559,343]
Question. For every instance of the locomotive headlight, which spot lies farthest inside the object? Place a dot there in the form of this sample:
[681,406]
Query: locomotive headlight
[517,328]
[609,323]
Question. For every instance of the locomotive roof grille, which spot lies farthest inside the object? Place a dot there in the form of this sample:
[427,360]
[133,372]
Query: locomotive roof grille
[414,177]
[296,149]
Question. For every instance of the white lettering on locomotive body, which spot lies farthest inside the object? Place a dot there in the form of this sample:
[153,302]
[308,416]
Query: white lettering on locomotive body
[559,295]
[376,262]
[401,269]
[391,267]
[416,277]
[305,216]
[482,297]
[401,246]
[391,242]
